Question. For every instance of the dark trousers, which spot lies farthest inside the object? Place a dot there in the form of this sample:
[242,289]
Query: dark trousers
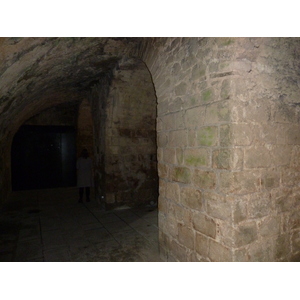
[87,193]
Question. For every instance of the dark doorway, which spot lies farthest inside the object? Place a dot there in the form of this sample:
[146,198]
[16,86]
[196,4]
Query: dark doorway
[43,157]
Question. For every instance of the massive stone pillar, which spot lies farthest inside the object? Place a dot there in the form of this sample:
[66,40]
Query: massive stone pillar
[228,147]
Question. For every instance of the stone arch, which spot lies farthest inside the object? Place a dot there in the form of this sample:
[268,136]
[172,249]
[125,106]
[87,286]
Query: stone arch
[124,108]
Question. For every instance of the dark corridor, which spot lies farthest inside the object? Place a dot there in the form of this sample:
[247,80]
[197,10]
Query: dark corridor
[43,157]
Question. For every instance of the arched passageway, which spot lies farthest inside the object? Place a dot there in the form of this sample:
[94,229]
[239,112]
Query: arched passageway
[116,122]
[227,132]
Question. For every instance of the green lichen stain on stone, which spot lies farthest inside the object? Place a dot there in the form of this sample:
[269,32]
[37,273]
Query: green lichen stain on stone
[206,180]
[206,96]
[195,160]
[207,136]
[181,175]
[228,42]
[224,114]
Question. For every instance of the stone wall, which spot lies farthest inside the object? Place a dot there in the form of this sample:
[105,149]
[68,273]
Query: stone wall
[227,133]
[265,130]
[129,149]
[228,146]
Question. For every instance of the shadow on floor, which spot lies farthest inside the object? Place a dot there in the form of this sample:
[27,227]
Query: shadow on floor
[51,226]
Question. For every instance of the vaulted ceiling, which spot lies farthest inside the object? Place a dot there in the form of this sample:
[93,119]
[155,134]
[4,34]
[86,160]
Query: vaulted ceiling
[37,73]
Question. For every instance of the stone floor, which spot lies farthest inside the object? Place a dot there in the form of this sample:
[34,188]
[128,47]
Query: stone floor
[51,226]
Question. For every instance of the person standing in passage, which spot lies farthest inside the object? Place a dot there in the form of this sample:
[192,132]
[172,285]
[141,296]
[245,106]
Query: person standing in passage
[84,175]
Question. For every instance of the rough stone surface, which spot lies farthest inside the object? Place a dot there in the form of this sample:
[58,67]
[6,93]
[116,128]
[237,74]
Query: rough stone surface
[227,131]
[228,113]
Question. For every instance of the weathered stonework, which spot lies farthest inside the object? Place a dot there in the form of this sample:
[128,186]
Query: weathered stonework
[228,128]
[128,137]
[227,132]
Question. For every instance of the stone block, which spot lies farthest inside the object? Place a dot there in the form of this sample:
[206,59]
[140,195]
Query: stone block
[194,117]
[180,89]
[192,138]
[225,233]
[271,133]
[294,220]
[179,120]
[178,138]
[217,205]
[207,136]
[257,111]
[191,198]
[285,114]
[160,154]
[186,236]
[240,255]
[239,211]
[179,156]
[198,72]
[195,257]
[162,107]
[159,124]
[173,191]
[168,122]
[181,174]
[169,156]
[201,244]
[281,155]
[213,66]
[290,176]
[217,112]
[258,157]
[282,247]
[178,251]
[218,252]
[226,93]
[283,200]
[204,224]
[243,134]
[239,183]
[236,135]
[164,240]
[204,179]
[245,234]
[228,159]
[226,139]
[270,226]
[270,179]
[225,42]
[181,214]
[207,95]
[176,105]
[260,206]
[196,157]
[262,251]
[162,139]
[163,170]
[171,226]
